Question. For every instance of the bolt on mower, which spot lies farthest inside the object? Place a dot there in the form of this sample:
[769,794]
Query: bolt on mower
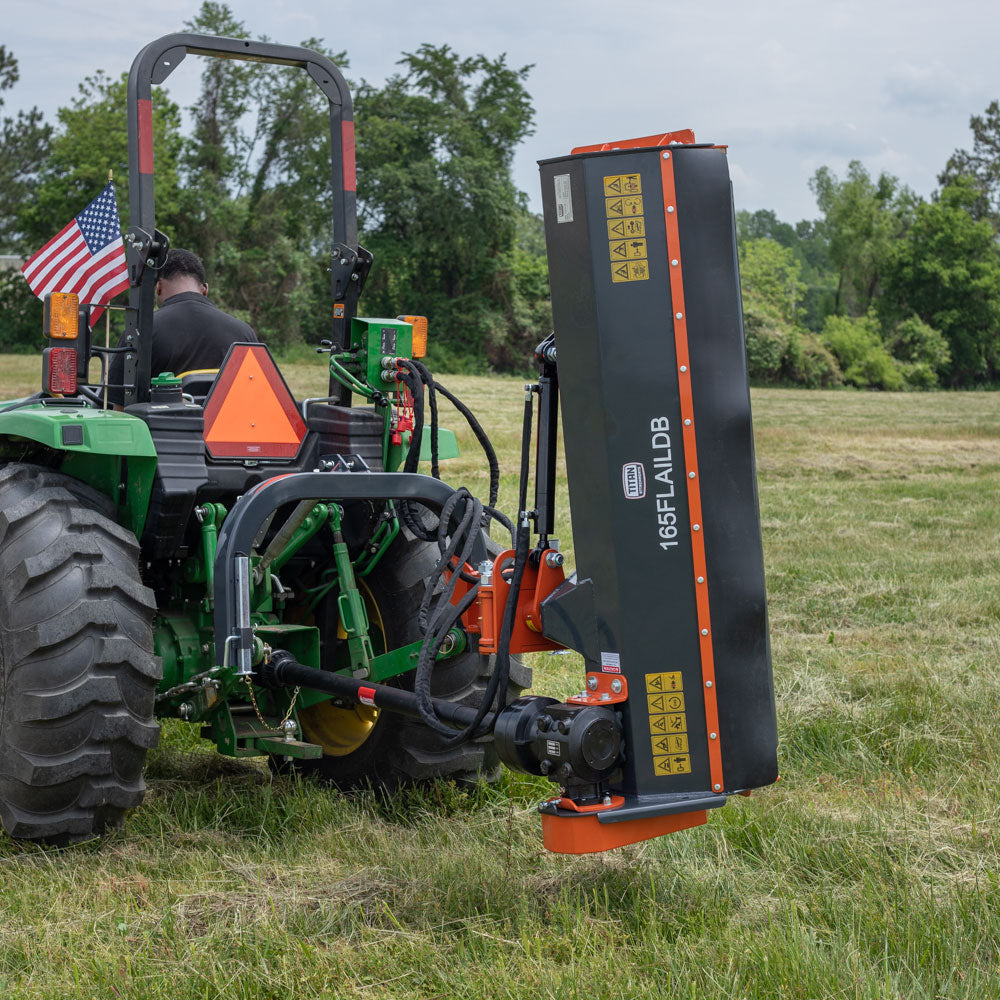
[279,573]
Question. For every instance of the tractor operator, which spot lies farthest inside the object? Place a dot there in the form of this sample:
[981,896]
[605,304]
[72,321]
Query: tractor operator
[189,332]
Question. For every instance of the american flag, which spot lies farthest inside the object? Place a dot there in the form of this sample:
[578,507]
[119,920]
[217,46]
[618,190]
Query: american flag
[87,257]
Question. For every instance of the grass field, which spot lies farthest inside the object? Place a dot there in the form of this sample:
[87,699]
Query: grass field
[870,871]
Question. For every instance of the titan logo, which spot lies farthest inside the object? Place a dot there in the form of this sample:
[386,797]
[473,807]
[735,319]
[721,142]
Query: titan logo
[634,480]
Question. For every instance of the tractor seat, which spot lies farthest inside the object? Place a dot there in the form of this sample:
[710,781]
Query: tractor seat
[197,383]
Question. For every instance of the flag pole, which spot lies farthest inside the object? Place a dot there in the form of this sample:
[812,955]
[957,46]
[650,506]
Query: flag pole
[107,328]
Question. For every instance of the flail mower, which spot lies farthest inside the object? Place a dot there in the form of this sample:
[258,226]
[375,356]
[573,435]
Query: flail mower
[280,573]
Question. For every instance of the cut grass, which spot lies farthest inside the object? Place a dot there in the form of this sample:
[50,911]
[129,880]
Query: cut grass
[870,871]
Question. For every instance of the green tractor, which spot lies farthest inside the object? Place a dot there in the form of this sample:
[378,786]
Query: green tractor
[110,526]
[278,572]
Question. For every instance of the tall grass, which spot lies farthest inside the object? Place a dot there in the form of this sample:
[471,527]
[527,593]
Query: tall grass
[870,871]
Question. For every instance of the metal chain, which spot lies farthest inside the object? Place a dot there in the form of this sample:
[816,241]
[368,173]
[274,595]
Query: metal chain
[253,701]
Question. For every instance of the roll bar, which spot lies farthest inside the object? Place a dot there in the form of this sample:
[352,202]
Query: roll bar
[144,244]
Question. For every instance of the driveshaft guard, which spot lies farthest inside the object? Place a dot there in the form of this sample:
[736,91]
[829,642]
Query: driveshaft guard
[659,452]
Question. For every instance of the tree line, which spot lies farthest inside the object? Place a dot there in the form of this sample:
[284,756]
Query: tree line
[247,187]
[884,289]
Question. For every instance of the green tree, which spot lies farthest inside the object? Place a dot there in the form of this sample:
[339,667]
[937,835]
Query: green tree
[777,350]
[863,219]
[770,275]
[947,272]
[439,208]
[807,241]
[91,139]
[24,145]
[214,157]
[981,164]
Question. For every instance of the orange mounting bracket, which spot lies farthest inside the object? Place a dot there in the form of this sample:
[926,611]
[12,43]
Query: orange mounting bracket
[536,584]
[602,689]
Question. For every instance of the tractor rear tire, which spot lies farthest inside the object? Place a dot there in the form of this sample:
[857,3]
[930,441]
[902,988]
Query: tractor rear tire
[398,750]
[77,668]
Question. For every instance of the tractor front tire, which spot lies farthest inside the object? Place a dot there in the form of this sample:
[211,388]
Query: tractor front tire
[397,750]
[77,670]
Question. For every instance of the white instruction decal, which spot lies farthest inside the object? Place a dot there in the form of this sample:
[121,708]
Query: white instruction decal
[611,663]
[564,198]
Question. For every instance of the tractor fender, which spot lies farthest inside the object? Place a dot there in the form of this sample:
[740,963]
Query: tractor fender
[108,450]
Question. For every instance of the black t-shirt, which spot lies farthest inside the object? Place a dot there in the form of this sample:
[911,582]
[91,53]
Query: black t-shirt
[188,333]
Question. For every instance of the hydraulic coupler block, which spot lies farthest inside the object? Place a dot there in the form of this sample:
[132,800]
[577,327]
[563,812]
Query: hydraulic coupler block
[578,746]
[668,601]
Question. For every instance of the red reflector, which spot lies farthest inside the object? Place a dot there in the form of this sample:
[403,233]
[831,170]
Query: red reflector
[59,370]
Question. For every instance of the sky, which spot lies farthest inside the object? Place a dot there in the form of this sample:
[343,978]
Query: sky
[788,85]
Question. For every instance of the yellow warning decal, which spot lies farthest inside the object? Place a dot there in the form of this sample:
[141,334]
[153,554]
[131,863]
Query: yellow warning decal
[635,270]
[673,702]
[671,681]
[626,228]
[635,249]
[680,764]
[667,724]
[622,184]
[678,743]
[623,207]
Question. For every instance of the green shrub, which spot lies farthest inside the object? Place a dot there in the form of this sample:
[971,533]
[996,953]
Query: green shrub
[922,350]
[808,363]
[857,345]
[20,315]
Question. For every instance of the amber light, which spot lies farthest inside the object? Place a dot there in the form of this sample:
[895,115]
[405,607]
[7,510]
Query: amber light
[419,324]
[59,370]
[62,316]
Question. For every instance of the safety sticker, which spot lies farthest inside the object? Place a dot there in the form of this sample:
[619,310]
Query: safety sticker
[677,743]
[673,702]
[680,764]
[635,249]
[671,681]
[626,228]
[668,734]
[624,207]
[622,184]
[667,724]
[611,663]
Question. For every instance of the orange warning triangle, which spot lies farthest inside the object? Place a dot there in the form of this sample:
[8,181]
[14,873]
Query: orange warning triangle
[250,412]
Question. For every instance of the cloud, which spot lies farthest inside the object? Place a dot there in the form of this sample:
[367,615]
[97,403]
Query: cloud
[927,87]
